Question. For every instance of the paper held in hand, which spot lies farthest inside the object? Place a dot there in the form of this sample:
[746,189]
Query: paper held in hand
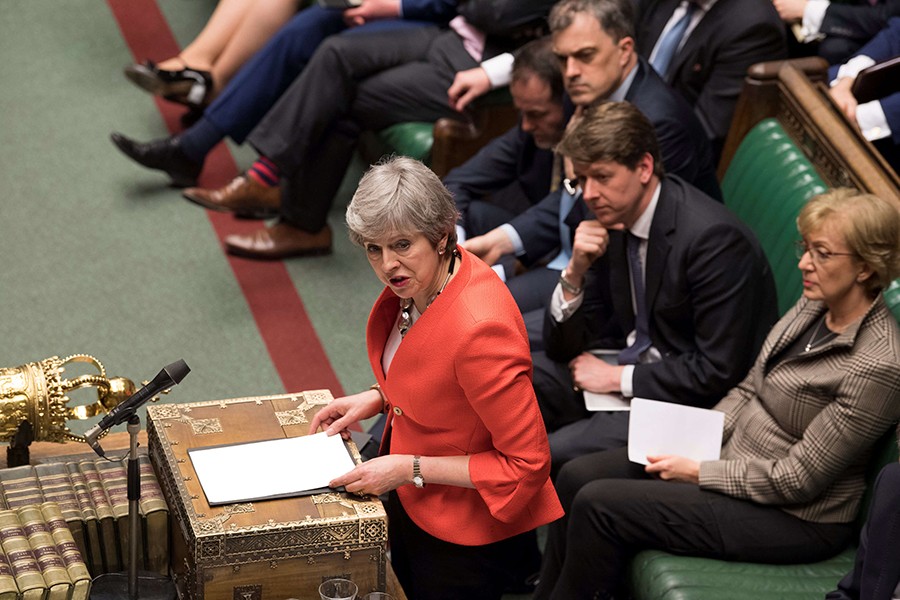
[663,428]
[281,468]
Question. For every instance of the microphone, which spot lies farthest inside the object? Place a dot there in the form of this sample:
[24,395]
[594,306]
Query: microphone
[168,377]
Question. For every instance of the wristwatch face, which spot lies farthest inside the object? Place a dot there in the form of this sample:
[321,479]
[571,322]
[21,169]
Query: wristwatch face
[420,483]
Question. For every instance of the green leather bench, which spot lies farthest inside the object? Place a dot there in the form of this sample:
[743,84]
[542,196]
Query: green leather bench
[767,182]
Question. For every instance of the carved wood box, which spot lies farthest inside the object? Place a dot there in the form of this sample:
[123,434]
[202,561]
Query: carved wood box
[269,550]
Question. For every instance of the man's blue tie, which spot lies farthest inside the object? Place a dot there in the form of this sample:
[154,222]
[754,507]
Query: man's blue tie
[669,43]
[632,354]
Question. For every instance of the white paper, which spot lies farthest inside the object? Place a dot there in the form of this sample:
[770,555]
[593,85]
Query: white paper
[273,468]
[596,402]
[658,428]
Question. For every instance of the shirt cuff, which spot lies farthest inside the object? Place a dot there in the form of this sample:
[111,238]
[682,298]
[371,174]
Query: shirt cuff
[872,121]
[813,15]
[627,381]
[561,310]
[499,69]
[852,67]
[514,238]
[460,234]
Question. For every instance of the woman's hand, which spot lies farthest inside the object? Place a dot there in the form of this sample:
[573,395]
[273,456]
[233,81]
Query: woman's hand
[337,416]
[674,468]
[377,475]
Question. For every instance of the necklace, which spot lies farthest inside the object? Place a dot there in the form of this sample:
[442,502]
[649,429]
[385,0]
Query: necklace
[812,343]
[406,303]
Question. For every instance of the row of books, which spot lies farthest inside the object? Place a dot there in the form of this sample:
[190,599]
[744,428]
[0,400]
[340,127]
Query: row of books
[92,495]
[40,560]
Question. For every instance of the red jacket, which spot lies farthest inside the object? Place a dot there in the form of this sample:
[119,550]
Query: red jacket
[460,384]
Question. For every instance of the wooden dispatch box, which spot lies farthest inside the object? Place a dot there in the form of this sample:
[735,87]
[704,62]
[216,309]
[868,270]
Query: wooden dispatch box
[269,550]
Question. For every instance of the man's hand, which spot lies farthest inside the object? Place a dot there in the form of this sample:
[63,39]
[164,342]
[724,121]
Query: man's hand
[674,468]
[593,374]
[466,86]
[591,240]
[790,11]
[371,10]
[844,98]
[490,246]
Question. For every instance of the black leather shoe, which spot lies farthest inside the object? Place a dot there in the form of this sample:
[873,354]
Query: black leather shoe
[164,155]
[187,86]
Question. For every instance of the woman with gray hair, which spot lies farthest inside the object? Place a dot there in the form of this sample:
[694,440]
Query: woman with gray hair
[464,454]
[799,429]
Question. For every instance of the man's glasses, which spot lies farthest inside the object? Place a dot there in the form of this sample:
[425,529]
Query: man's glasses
[818,255]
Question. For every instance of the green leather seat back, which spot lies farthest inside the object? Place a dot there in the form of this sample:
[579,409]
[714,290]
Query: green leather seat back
[767,183]
[413,139]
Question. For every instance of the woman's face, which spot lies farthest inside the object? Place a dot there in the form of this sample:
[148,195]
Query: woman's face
[407,263]
[831,272]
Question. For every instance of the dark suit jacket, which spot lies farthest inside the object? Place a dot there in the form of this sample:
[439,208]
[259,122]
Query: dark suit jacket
[709,68]
[884,46]
[710,294]
[849,25]
[684,150]
[511,163]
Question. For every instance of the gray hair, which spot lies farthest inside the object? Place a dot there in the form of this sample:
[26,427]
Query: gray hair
[401,195]
[616,17]
[871,228]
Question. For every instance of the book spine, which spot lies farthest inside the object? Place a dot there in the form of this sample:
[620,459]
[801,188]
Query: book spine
[155,514]
[20,487]
[105,517]
[53,569]
[8,587]
[92,538]
[114,478]
[22,561]
[68,550]
[56,486]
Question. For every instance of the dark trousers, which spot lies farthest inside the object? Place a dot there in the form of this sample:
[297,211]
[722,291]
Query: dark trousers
[560,404]
[613,509]
[260,82]
[353,83]
[876,573]
[431,569]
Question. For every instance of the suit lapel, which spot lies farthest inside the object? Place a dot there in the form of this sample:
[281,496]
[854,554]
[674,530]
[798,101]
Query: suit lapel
[662,230]
[653,22]
[698,36]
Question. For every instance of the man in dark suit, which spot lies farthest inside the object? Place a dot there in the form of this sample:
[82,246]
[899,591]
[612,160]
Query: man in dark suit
[665,274]
[516,169]
[721,40]
[594,42]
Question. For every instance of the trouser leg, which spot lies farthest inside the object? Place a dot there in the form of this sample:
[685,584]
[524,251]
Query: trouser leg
[610,518]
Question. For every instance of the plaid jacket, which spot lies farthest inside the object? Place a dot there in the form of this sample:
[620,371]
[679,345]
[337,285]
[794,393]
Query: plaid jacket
[799,431]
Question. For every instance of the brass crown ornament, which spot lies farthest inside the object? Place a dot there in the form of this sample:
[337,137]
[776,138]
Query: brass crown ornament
[36,392]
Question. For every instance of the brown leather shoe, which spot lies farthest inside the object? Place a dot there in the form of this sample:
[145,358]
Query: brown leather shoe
[244,196]
[278,241]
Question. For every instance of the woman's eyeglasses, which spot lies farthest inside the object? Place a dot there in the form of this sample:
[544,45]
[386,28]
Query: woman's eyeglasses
[818,255]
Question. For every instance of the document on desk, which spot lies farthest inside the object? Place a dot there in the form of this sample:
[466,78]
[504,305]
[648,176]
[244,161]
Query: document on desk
[658,428]
[596,402]
[296,466]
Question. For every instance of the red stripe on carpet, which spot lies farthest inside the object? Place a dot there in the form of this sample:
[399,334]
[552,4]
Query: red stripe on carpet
[292,342]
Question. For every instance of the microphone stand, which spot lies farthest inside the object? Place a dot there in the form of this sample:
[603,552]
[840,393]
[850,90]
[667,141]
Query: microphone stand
[147,586]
